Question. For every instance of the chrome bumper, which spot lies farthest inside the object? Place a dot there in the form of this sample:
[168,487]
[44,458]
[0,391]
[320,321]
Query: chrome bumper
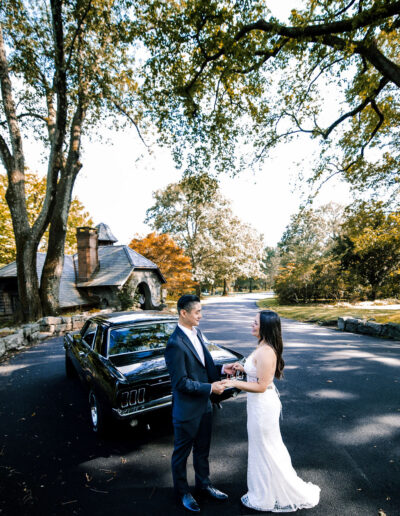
[141,409]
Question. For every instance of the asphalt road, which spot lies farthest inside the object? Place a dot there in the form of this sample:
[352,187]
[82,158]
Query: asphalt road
[341,424]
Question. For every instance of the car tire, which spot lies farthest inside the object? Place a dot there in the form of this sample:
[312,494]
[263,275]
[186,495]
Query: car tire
[99,419]
[69,367]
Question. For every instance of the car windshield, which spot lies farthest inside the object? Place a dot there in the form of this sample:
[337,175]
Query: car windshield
[131,339]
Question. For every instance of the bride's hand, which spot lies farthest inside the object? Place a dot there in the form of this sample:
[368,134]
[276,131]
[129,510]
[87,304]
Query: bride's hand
[228,384]
[237,366]
[229,368]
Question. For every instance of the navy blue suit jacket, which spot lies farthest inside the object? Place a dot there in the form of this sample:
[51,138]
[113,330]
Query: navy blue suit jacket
[191,380]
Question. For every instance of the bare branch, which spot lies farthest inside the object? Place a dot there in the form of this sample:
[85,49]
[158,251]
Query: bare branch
[122,110]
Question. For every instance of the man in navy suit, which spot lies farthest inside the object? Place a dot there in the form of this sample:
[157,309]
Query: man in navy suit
[194,377]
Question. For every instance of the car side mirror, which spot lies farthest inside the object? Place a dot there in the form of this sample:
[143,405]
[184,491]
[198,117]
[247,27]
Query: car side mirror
[77,338]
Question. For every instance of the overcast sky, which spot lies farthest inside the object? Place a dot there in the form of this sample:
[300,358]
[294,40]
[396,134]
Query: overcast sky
[116,187]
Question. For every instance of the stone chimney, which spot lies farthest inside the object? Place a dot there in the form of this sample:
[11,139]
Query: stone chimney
[88,257]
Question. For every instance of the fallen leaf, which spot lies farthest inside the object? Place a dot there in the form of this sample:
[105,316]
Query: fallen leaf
[329,381]
[123,460]
[381,512]
[88,477]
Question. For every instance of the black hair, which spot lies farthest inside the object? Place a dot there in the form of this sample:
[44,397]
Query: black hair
[271,333]
[186,302]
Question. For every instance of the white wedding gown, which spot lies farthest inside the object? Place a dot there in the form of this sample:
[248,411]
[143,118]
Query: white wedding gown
[272,483]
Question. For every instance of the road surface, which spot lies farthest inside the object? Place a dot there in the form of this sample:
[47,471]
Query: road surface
[341,424]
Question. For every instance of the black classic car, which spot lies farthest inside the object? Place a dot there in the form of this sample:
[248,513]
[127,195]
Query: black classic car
[120,358]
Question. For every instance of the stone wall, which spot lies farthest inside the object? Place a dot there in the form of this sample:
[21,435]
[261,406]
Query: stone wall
[387,330]
[16,338]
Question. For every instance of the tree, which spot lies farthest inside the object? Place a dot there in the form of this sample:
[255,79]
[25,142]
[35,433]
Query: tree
[310,233]
[170,258]
[270,265]
[64,67]
[200,220]
[234,73]
[35,193]
[369,247]
[306,264]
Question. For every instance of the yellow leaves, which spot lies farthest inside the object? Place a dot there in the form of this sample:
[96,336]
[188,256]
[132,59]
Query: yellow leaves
[170,258]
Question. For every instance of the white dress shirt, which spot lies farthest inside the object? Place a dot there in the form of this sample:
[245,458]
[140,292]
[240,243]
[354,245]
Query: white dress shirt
[194,339]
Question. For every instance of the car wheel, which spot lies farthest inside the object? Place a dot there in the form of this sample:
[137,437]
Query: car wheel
[98,418]
[69,367]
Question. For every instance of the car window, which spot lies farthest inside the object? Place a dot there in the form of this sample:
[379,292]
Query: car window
[99,340]
[139,338]
[89,334]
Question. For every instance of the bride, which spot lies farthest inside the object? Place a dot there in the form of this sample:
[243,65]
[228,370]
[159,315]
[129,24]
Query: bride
[272,483]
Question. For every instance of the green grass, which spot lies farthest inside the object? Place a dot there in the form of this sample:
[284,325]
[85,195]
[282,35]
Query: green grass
[328,314]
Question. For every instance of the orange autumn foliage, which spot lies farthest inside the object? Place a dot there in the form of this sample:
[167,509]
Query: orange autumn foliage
[170,258]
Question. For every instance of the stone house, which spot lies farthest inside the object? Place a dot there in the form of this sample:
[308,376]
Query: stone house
[94,276]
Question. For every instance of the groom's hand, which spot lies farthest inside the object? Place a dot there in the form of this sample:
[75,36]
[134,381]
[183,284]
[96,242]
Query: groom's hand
[217,387]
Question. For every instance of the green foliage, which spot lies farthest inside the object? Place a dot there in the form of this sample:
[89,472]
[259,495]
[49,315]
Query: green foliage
[225,72]
[360,260]
[128,297]
[369,248]
[270,264]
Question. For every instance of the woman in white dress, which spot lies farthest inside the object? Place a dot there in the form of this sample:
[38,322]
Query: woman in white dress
[272,483]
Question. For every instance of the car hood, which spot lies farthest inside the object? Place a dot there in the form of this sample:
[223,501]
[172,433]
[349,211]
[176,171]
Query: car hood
[136,367]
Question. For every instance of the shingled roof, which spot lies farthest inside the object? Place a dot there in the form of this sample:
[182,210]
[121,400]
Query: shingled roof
[116,263]
[69,294]
[105,234]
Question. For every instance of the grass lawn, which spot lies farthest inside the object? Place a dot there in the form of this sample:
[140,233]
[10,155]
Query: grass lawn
[328,314]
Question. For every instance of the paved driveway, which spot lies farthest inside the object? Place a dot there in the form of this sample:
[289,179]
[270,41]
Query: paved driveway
[341,424]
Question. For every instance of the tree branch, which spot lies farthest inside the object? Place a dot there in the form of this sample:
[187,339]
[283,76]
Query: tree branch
[129,117]
[78,32]
[363,19]
[266,55]
[383,82]
[370,51]
[5,154]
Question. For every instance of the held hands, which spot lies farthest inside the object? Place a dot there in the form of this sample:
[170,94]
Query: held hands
[217,387]
[228,384]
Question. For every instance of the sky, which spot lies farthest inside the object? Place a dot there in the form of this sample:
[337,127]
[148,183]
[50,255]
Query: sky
[115,185]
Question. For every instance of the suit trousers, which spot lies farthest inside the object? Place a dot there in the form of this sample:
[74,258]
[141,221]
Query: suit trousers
[194,434]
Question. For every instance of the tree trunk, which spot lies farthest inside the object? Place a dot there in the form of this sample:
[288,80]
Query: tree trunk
[54,263]
[53,267]
[28,283]
[225,290]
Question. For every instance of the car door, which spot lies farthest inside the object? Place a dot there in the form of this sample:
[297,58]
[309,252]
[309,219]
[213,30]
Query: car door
[86,350]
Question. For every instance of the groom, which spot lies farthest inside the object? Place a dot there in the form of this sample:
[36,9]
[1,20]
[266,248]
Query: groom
[194,377]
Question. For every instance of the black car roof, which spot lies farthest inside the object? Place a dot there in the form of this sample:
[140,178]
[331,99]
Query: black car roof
[122,318]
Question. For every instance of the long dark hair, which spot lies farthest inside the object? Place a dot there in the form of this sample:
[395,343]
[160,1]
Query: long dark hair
[270,332]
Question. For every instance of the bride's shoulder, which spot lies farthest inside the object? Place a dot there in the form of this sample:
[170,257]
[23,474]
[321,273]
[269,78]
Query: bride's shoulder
[266,350]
